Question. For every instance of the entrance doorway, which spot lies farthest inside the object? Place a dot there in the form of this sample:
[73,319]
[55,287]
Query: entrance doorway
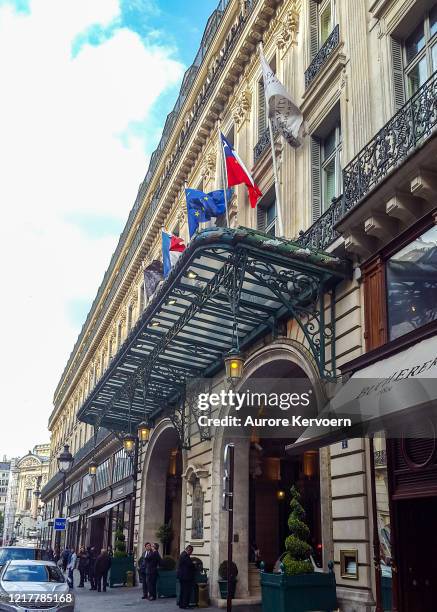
[272,473]
[417,558]
[97,532]
[162,489]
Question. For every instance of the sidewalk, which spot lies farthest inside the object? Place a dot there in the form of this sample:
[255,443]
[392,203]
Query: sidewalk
[129,599]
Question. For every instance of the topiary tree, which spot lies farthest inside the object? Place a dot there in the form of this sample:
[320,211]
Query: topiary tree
[120,543]
[297,560]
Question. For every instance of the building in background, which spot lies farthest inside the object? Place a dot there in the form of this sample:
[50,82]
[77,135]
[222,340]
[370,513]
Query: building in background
[358,199]
[5,467]
[23,505]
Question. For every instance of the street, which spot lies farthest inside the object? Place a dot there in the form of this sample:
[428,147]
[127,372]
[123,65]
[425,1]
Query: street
[129,599]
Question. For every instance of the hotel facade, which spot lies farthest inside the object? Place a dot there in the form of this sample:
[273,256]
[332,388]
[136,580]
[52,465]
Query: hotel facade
[346,296]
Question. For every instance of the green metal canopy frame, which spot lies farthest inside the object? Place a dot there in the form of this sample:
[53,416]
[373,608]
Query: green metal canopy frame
[229,288]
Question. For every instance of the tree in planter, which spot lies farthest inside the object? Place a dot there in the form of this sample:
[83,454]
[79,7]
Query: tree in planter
[223,578]
[297,560]
[165,535]
[120,543]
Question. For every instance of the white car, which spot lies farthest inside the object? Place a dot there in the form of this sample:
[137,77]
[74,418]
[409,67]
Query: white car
[34,585]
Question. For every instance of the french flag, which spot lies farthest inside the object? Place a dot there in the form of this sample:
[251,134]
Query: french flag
[172,247]
[237,172]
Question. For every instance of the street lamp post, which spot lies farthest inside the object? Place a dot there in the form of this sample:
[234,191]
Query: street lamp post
[65,461]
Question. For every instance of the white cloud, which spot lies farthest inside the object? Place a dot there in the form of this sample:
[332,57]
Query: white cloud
[65,147]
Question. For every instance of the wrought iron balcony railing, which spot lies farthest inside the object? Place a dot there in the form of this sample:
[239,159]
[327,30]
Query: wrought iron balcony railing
[408,128]
[397,140]
[263,143]
[322,233]
[322,56]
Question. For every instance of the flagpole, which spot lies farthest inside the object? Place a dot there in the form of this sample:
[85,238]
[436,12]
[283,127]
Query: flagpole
[275,167]
[225,174]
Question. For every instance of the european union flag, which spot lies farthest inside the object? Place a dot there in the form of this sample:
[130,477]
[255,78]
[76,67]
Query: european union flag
[202,206]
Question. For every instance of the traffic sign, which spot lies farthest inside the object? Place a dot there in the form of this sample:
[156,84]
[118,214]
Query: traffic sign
[60,524]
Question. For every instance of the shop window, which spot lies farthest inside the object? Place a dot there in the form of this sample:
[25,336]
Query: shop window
[266,213]
[197,511]
[122,466]
[103,475]
[411,281]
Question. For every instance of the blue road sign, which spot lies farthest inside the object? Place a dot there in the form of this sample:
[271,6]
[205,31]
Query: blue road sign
[60,524]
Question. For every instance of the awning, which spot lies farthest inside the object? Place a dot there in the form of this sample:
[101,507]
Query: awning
[105,508]
[228,283]
[73,519]
[383,396]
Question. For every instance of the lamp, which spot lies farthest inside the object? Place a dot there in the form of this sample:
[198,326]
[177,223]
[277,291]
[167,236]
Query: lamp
[92,468]
[129,444]
[65,460]
[143,432]
[280,495]
[234,363]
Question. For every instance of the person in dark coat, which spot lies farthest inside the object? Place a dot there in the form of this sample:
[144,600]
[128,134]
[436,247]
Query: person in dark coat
[186,574]
[82,565]
[101,569]
[152,561]
[65,558]
[148,570]
[91,568]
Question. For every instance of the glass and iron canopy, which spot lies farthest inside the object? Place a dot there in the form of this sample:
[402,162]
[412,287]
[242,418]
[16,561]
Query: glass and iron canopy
[229,288]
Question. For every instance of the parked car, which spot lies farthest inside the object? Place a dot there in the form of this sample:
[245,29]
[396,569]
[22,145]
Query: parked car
[9,553]
[34,585]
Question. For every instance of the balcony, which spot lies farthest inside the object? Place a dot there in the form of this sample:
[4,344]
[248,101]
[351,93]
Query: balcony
[263,144]
[324,53]
[393,144]
[406,132]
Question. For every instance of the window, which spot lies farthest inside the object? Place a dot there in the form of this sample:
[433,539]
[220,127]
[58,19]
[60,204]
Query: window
[326,20]
[266,213]
[322,22]
[262,111]
[331,166]
[326,174]
[102,475]
[411,278]
[197,511]
[28,499]
[420,52]
[122,466]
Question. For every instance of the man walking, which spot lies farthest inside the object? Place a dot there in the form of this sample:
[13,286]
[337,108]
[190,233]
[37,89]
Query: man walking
[91,567]
[82,565]
[185,574]
[101,569]
[142,563]
[71,567]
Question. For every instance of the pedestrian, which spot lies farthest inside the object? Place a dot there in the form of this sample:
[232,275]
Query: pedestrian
[50,554]
[71,566]
[82,565]
[101,569]
[142,568]
[56,555]
[185,574]
[152,562]
[91,568]
[65,558]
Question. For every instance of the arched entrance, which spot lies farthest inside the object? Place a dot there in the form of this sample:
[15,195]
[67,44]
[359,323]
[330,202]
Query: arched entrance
[264,471]
[162,489]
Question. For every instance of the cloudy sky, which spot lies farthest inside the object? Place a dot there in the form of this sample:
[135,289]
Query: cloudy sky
[85,86]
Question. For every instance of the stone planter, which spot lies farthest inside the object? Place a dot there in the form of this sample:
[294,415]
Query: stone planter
[223,586]
[166,584]
[119,568]
[302,593]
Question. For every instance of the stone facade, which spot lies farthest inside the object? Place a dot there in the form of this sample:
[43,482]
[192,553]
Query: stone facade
[349,93]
